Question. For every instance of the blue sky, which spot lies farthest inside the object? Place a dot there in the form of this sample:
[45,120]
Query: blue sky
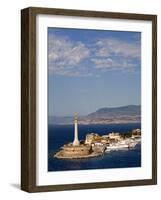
[91,69]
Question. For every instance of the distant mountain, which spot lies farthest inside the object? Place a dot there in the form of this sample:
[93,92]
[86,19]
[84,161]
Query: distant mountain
[129,110]
[107,115]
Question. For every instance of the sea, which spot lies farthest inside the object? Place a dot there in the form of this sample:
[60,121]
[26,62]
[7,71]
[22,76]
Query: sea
[58,135]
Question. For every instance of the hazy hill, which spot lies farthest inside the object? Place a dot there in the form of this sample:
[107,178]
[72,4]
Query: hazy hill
[129,110]
[108,115]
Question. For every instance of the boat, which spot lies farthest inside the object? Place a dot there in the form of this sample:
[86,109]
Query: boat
[116,146]
[124,144]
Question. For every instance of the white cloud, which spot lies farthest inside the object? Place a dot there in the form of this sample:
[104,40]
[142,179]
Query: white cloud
[75,58]
[115,47]
[115,54]
[65,56]
[107,64]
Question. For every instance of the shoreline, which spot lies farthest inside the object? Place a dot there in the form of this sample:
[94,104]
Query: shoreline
[70,124]
[59,155]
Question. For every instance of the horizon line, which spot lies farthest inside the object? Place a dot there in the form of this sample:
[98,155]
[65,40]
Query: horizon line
[95,110]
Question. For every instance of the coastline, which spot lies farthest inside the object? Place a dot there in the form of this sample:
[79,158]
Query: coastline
[114,159]
[95,145]
[88,124]
[59,155]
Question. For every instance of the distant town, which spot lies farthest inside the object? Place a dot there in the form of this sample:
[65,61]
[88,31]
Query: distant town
[116,120]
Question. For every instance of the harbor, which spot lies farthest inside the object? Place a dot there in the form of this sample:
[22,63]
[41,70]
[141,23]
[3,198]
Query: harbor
[95,145]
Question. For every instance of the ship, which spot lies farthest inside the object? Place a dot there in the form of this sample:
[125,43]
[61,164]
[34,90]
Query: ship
[125,144]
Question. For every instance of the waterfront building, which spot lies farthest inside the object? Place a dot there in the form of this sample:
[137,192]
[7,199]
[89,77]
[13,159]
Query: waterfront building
[114,136]
[136,133]
[91,138]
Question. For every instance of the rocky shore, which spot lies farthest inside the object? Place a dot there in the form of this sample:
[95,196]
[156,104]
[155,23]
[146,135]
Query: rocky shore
[61,155]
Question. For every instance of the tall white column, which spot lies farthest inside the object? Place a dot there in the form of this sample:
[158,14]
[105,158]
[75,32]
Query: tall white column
[76,141]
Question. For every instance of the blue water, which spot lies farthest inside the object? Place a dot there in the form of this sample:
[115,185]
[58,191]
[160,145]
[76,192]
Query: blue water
[58,135]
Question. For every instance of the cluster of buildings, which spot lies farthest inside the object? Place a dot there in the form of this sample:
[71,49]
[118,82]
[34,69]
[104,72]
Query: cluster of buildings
[96,145]
[136,134]
[93,138]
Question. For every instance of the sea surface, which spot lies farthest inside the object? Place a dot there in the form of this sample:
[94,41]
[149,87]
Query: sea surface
[58,135]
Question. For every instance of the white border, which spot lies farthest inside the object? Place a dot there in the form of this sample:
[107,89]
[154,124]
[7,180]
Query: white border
[43,177]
